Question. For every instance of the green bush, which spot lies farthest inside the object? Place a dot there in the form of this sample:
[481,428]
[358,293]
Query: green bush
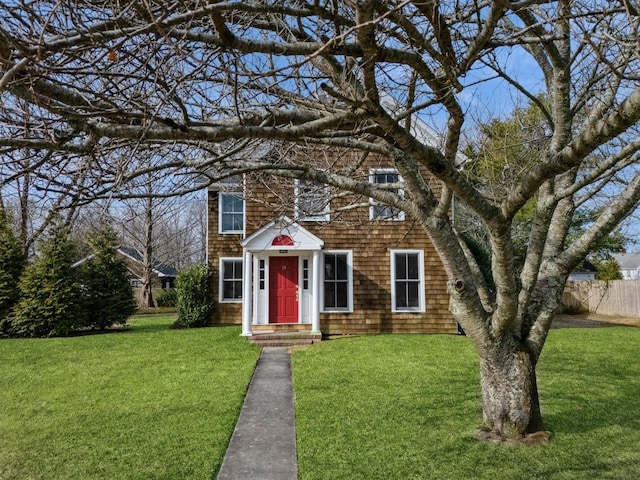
[608,269]
[50,301]
[107,295]
[12,263]
[194,300]
[168,298]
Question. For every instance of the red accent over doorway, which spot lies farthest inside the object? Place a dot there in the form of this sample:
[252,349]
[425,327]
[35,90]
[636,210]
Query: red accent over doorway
[282,241]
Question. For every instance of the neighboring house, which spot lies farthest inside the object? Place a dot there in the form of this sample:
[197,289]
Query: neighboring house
[162,275]
[585,272]
[629,265]
[295,253]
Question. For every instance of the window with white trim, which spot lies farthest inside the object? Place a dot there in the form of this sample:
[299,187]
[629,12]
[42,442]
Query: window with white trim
[337,282]
[231,208]
[311,201]
[305,274]
[261,273]
[378,210]
[407,281]
[230,280]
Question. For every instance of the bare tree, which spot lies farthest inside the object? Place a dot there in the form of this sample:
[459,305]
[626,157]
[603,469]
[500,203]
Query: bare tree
[171,230]
[30,188]
[181,231]
[207,79]
[140,227]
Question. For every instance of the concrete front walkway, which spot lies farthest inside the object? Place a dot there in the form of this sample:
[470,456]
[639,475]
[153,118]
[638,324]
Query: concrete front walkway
[263,445]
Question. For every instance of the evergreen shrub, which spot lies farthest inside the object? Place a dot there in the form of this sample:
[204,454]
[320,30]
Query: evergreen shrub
[107,294]
[12,264]
[168,298]
[50,301]
[194,299]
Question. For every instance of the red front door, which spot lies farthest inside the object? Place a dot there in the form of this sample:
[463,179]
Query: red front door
[283,290]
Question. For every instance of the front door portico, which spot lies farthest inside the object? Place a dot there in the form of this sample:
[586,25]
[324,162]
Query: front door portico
[283,290]
[281,276]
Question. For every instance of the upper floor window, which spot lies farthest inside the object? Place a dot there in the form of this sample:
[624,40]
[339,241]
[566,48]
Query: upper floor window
[311,201]
[407,281]
[378,210]
[231,208]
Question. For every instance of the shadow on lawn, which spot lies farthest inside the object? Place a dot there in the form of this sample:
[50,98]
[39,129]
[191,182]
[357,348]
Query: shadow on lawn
[598,398]
[150,328]
[587,415]
[104,331]
[151,323]
[600,391]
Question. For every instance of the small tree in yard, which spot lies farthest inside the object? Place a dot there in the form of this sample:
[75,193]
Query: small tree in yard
[608,269]
[12,262]
[194,303]
[50,303]
[108,297]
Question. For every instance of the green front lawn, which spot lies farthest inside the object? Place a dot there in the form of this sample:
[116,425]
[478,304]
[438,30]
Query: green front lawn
[155,403]
[406,407]
[150,403]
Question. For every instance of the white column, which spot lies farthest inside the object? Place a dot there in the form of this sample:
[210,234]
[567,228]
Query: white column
[315,293]
[247,294]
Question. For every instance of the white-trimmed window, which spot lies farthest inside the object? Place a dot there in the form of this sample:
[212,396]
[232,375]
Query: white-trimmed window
[337,281]
[311,201]
[230,280]
[407,281]
[381,211]
[231,212]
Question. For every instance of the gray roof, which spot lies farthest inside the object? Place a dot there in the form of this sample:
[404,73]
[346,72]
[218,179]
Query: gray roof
[162,269]
[627,261]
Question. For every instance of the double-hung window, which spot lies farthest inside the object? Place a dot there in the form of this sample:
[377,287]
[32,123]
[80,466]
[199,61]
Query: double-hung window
[231,212]
[231,205]
[337,284]
[407,281]
[311,201]
[378,210]
[230,280]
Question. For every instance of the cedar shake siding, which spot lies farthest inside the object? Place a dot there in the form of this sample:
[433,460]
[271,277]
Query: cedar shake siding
[370,243]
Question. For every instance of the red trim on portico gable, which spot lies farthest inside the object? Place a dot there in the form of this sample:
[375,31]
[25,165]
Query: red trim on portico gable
[282,241]
[282,232]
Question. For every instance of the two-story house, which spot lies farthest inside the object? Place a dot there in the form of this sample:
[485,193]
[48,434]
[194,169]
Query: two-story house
[290,252]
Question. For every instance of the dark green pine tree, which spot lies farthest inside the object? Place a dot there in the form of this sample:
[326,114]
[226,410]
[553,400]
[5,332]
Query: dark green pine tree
[50,303]
[108,297]
[12,263]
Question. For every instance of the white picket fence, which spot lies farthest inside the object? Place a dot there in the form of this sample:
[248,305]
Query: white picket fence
[613,297]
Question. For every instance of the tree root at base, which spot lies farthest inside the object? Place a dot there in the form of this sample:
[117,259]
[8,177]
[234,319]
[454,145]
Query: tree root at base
[535,438]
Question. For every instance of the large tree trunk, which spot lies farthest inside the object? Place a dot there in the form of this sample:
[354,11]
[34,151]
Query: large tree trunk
[510,403]
[146,295]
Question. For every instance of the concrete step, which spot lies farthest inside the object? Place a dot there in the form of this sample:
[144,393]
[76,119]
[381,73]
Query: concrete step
[285,339]
[281,328]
